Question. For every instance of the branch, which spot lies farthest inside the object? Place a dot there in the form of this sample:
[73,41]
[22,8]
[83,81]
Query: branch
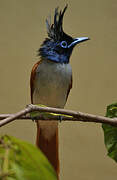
[76,116]
[3,116]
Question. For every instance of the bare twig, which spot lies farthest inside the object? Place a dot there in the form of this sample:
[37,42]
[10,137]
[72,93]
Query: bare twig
[3,116]
[76,116]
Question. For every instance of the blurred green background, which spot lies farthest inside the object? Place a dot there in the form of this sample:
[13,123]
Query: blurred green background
[94,63]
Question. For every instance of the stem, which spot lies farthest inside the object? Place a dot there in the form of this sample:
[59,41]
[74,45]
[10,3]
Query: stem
[75,116]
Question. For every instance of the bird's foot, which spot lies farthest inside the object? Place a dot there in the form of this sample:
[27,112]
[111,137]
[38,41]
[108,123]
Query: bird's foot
[60,118]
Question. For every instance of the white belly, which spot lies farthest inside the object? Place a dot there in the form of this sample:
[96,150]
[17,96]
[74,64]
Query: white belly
[52,83]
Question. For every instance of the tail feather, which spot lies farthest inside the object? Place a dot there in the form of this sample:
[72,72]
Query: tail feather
[47,141]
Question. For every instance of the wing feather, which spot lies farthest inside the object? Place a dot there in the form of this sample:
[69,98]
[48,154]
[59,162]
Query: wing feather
[32,78]
[70,86]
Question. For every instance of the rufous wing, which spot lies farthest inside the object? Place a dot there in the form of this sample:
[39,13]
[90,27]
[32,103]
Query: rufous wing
[32,79]
[70,86]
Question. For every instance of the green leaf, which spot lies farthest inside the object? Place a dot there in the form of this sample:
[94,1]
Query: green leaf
[110,132]
[20,160]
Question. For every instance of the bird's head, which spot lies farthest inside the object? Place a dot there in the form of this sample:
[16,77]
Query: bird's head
[58,46]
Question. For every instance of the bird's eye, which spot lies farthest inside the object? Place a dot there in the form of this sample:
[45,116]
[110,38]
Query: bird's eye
[63,44]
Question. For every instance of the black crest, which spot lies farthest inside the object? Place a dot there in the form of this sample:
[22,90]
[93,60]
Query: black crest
[55,30]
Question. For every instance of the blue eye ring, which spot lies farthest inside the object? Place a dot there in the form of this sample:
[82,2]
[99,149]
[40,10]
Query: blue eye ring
[63,44]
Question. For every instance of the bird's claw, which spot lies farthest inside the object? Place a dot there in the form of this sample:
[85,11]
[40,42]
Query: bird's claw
[60,119]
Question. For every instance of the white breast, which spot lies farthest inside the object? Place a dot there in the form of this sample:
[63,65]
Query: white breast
[52,83]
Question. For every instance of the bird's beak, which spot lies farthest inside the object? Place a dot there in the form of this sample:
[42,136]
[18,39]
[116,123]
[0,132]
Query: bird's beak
[78,40]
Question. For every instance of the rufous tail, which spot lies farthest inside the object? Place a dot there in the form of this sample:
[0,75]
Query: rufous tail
[47,141]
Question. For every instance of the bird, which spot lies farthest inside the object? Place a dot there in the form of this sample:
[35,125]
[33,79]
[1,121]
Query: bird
[51,82]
